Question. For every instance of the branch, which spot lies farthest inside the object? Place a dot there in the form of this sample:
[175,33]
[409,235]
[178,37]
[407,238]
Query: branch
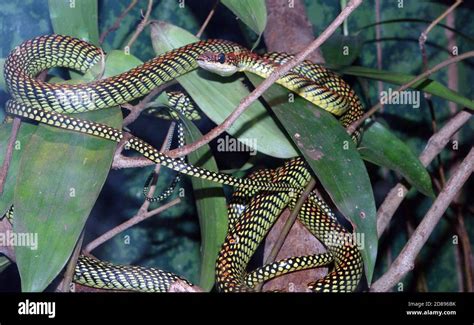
[434,146]
[422,42]
[208,19]
[117,22]
[141,26]
[420,77]
[135,110]
[404,263]
[257,92]
[139,217]
[65,284]
[143,212]
[9,152]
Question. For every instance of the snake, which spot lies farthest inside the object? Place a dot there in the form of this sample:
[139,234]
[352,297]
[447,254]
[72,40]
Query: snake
[179,106]
[260,199]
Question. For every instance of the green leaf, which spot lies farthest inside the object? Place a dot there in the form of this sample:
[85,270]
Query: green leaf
[2,79]
[23,136]
[211,207]
[428,85]
[383,148]
[218,97]
[253,13]
[75,18]
[73,168]
[60,177]
[333,157]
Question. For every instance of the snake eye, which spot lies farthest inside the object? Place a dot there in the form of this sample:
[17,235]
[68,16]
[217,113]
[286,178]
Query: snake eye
[221,58]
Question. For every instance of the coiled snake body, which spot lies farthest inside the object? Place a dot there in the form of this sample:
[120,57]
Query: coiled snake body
[258,199]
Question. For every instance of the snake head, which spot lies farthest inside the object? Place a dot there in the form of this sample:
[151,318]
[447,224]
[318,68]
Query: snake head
[223,64]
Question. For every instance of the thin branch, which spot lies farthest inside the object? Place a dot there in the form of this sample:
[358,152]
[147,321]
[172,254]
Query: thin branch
[422,43]
[434,146]
[9,152]
[208,19]
[287,227]
[258,91]
[466,250]
[142,212]
[404,263]
[420,77]
[117,22]
[135,110]
[378,35]
[141,26]
[65,285]
[435,22]
[139,217]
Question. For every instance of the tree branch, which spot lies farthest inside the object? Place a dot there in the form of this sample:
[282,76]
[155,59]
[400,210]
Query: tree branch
[404,263]
[117,22]
[142,212]
[434,146]
[208,19]
[141,26]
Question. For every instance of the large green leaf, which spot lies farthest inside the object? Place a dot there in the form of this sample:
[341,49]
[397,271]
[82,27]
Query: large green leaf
[334,159]
[428,85]
[22,138]
[383,148]
[75,18]
[218,97]
[61,173]
[253,13]
[60,177]
[211,207]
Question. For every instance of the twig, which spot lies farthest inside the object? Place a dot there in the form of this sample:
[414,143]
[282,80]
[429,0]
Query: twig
[434,146]
[466,250]
[424,34]
[208,19]
[142,212]
[121,161]
[258,91]
[139,217]
[9,152]
[141,26]
[378,36]
[65,285]
[422,43]
[117,22]
[287,227]
[420,77]
[135,110]
[405,261]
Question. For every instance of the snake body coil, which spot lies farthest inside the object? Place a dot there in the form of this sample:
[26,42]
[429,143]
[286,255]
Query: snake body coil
[263,195]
